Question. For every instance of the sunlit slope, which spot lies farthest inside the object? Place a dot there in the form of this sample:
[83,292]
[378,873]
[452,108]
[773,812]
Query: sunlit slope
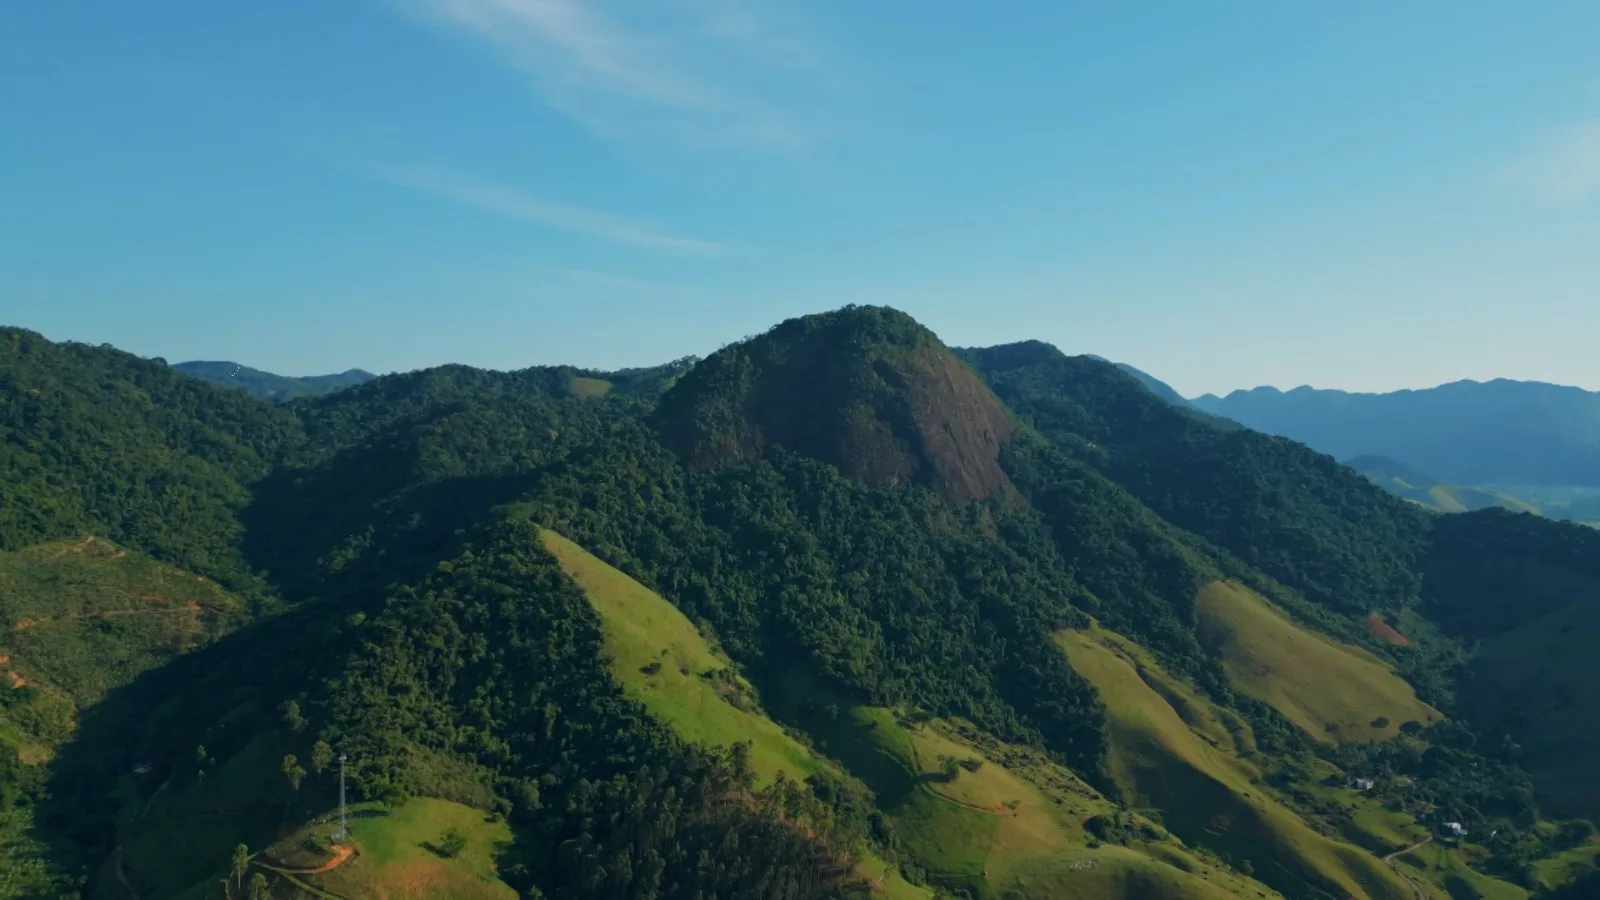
[1444,872]
[1331,690]
[662,661]
[590,387]
[399,855]
[1455,498]
[80,617]
[1204,792]
[1009,824]
[1040,846]
[1538,681]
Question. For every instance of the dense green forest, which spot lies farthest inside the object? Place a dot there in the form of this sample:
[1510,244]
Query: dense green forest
[855,516]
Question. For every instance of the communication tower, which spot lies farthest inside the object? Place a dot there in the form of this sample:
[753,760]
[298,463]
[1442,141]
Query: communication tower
[343,833]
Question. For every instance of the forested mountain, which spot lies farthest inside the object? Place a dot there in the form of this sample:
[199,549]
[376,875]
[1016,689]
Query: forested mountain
[1499,432]
[835,611]
[1157,386]
[267,386]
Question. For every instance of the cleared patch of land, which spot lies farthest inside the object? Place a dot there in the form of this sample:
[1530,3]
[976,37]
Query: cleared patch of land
[398,853]
[590,387]
[1379,628]
[663,662]
[80,616]
[1333,691]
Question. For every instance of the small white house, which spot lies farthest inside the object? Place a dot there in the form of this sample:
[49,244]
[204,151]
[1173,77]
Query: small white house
[1455,829]
[1363,784]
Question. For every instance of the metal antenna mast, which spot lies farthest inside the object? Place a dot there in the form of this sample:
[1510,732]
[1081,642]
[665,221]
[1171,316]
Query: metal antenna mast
[344,821]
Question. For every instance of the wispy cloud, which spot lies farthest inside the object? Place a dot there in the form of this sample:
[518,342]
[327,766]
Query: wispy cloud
[1564,166]
[702,72]
[515,204]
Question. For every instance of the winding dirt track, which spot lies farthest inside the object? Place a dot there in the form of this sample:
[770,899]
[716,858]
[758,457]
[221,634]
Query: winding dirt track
[122,876]
[341,853]
[1390,859]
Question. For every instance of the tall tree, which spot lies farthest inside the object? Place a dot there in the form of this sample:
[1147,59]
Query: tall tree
[321,756]
[241,863]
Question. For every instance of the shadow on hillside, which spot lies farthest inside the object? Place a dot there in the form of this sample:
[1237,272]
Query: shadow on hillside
[367,513]
[223,695]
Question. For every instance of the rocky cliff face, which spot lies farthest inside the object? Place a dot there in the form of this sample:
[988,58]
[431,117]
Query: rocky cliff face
[866,389]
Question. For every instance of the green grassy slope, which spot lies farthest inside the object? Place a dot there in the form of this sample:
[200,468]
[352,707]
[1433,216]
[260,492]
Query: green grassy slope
[1442,872]
[399,854]
[1463,498]
[993,830]
[1332,691]
[662,661]
[1013,827]
[590,387]
[1040,845]
[1207,795]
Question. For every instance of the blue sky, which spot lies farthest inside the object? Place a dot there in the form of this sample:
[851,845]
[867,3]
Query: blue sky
[1365,195]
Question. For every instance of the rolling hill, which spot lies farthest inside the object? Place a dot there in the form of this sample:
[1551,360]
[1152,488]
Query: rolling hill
[1414,485]
[267,386]
[836,611]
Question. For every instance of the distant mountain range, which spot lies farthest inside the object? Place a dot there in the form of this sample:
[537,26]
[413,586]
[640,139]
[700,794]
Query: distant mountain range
[266,385]
[1524,446]
[1499,432]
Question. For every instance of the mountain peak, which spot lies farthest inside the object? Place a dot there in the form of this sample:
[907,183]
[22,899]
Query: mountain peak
[865,388]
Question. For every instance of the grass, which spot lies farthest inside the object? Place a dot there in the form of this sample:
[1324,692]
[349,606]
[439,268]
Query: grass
[1205,793]
[1540,678]
[188,832]
[590,387]
[661,660]
[949,840]
[1568,865]
[397,857]
[1013,827]
[1116,873]
[1454,498]
[1040,846]
[1331,690]
[1444,870]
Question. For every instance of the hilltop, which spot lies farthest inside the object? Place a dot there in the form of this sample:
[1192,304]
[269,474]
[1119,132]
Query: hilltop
[865,389]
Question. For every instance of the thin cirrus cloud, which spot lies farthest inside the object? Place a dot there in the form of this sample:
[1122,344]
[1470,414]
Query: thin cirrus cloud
[1563,167]
[513,203]
[696,72]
